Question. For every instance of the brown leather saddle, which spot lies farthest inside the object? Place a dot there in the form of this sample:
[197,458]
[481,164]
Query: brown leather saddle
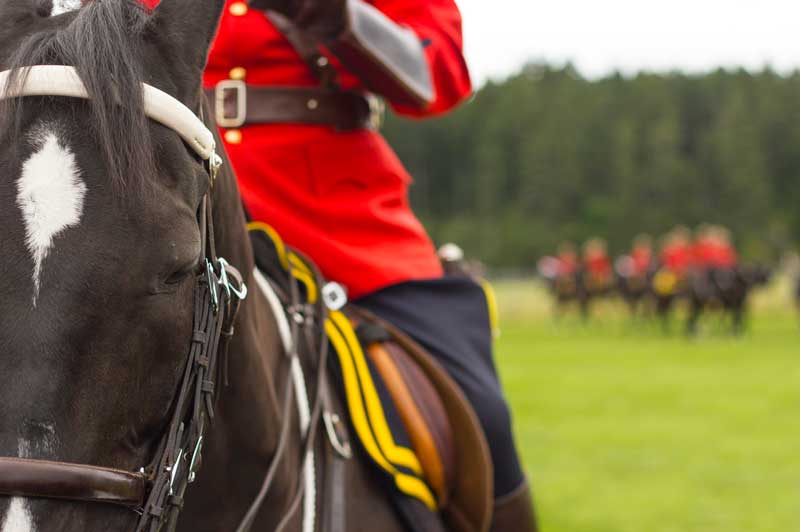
[441,424]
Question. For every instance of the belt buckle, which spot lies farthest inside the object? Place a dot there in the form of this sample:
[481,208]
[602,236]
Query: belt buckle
[222,88]
[377,111]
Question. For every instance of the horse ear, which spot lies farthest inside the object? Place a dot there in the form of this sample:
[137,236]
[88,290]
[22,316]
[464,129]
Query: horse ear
[185,29]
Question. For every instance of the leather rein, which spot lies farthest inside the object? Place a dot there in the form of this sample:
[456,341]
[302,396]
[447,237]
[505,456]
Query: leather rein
[157,490]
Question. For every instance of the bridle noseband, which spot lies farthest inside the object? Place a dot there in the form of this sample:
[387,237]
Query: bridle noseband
[156,491]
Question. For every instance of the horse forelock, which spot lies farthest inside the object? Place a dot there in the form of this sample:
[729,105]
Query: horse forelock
[104,42]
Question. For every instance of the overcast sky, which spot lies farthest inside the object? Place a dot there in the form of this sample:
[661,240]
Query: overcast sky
[600,36]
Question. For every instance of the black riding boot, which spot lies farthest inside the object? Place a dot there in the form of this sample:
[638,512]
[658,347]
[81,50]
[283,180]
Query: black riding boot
[514,512]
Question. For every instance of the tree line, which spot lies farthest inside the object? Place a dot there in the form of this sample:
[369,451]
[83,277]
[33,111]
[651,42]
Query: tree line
[548,155]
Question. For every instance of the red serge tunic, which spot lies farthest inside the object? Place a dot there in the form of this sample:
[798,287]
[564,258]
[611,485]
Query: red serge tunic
[677,258]
[339,197]
[710,254]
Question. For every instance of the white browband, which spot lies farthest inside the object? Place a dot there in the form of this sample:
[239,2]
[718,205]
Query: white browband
[57,80]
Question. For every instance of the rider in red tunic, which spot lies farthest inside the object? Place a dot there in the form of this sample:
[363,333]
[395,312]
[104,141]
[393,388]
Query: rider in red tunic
[299,86]
[642,255]
[567,260]
[677,255]
[597,265]
[713,248]
[338,196]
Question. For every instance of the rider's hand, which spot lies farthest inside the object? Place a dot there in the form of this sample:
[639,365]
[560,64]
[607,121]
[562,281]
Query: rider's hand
[323,20]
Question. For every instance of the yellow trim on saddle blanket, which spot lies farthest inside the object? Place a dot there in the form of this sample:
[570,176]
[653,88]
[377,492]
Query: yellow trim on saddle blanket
[491,303]
[370,423]
[363,401]
[289,260]
[273,235]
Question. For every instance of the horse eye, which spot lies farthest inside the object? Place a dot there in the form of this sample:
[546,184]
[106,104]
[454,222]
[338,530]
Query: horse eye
[178,276]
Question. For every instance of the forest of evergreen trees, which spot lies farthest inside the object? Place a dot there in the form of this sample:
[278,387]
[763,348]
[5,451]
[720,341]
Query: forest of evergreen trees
[548,155]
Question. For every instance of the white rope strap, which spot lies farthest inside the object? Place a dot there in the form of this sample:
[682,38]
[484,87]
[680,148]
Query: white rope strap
[303,402]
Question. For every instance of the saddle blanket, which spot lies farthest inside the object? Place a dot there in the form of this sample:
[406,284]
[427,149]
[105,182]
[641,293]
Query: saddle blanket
[409,451]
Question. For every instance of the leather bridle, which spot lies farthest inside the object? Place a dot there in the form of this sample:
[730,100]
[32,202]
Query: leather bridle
[156,491]
[218,290]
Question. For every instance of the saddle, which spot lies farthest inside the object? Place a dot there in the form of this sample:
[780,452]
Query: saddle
[409,418]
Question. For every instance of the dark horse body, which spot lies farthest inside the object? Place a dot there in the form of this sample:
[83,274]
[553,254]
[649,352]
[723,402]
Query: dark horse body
[667,294]
[637,292]
[726,289]
[577,288]
[94,329]
[567,289]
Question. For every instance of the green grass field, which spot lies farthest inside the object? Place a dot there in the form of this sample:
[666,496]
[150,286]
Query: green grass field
[626,429]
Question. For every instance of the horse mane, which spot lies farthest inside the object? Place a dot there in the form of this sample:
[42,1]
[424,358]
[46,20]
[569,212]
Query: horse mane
[103,41]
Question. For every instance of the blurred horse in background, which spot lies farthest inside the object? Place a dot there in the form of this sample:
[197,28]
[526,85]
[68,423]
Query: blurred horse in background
[634,275]
[566,287]
[667,289]
[723,289]
[636,291]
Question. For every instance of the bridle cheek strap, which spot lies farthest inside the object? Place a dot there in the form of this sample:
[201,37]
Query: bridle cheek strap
[76,482]
[59,80]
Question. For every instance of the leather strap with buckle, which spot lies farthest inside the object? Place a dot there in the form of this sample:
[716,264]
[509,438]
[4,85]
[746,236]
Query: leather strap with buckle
[230,103]
[237,104]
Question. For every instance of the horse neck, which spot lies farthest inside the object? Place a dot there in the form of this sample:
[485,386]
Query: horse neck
[249,419]
[256,354]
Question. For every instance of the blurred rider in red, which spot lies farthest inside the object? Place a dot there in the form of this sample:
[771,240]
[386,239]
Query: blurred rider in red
[597,264]
[677,254]
[642,255]
[713,248]
[567,259]
[299,87]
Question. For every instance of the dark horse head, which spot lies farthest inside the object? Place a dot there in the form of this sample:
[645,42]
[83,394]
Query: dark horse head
[99,240]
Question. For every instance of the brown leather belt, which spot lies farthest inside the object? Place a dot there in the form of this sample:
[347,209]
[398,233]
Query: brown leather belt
[237,104]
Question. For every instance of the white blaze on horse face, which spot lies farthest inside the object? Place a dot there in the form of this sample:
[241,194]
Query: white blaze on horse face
[50,194]
[63,6]
[19,517]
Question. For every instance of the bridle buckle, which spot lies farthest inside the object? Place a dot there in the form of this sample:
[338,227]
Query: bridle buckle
[220,97]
